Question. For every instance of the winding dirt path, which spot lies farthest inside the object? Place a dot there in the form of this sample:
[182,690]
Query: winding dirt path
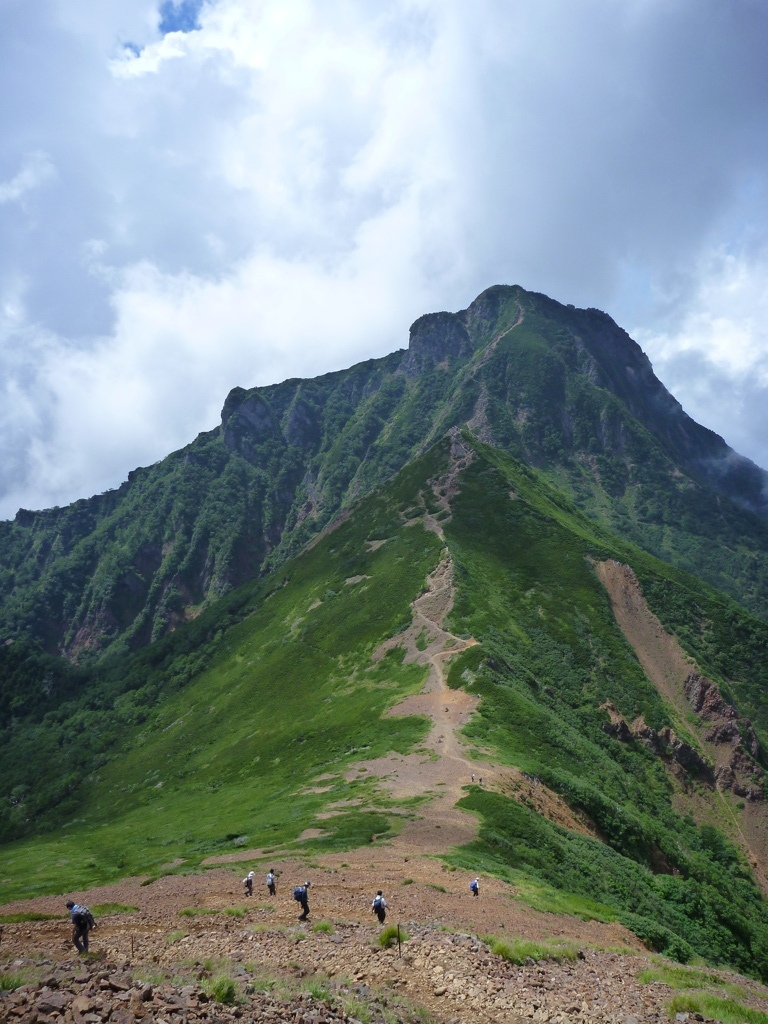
[447,765]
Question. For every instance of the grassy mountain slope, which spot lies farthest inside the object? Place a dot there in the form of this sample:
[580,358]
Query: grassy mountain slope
[565,390]
[249,746]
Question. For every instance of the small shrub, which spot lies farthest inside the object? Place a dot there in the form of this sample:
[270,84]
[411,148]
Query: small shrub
[323,926]
[407,881]
[388,936]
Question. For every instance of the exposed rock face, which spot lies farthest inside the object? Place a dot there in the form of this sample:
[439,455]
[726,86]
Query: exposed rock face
[705,698]
[739,769]
[664,743]
[435,338]
[251,422]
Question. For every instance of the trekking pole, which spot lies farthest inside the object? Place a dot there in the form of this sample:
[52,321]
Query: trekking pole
[399,951]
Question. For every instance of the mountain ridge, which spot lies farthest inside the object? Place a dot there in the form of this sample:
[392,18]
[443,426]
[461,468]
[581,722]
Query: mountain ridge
[564,389]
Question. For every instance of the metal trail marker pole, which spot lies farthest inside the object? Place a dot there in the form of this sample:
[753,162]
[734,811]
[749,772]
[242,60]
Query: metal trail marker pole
[399,951]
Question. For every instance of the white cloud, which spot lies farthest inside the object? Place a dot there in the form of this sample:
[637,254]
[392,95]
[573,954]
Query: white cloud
[35,171]
[714,358]
[281,191]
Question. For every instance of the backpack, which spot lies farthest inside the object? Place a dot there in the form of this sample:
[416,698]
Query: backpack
[82,917]
[299,893]
[378,903]
[473,886]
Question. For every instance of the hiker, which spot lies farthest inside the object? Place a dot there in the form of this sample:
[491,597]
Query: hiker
[271,882]
[248,884]
[475,887]
[82,922]
[301,896]
[473,776]
[379,907]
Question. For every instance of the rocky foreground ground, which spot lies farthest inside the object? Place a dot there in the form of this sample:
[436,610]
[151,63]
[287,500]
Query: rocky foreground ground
[195,950]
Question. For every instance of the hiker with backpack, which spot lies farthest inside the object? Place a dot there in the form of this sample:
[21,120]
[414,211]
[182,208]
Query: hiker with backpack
[271,882]
[301,896]
[248,884]
[82,922]
[379,907]
[475,887]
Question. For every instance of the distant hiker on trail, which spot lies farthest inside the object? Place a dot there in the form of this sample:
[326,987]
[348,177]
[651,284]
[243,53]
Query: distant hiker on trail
[473,776]
[82,922]
[248,884]
[475,887]
[301,896]
[271,882]
[379,907]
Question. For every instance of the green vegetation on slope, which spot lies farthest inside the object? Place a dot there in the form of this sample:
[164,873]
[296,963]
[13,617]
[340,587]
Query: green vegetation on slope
[550,653]
[237,730]
[284,695]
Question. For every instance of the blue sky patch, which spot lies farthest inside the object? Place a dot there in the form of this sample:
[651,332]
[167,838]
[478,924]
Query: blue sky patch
[179,15]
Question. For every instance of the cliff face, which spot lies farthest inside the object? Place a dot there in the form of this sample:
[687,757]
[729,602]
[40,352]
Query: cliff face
[564,389]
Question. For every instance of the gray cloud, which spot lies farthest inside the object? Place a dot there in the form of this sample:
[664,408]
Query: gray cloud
[282,190]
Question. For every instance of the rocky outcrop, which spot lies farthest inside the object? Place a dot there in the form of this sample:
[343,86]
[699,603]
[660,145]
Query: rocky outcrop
[682,758]
[739,756]
[434,339]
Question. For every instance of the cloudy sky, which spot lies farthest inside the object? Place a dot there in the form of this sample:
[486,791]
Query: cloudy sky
[198,194]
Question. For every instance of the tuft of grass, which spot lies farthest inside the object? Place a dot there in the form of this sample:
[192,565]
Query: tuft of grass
[439,888]
[31,916]
[10,981]
[198,911]
[222,990]
[173,937]
[679,977]
[101,909]
[323,926]
[517,951]
[407,881]
[268,928]
[729,1011]
[318,987]
[388,936]
[236,911]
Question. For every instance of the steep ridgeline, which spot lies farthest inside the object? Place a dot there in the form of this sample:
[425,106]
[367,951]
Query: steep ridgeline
[564,389]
